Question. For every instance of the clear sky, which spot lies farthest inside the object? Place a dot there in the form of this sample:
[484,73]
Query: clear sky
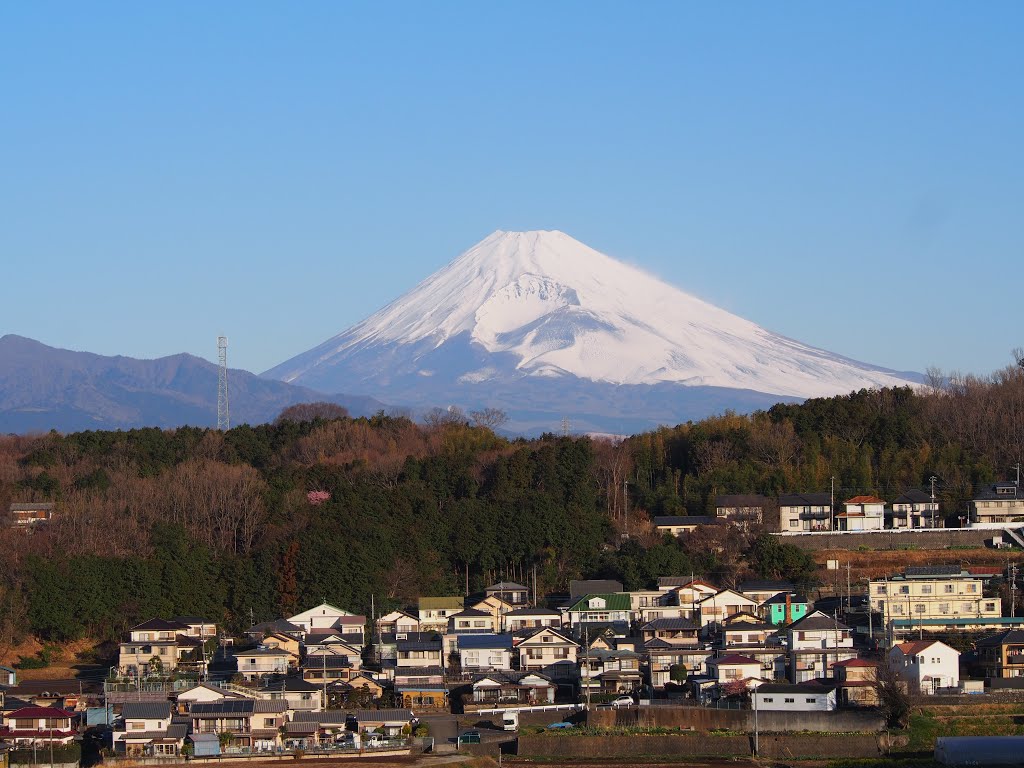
[847,174]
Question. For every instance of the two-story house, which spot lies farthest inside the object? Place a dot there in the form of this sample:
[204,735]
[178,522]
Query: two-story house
[862,513]
[926,665]
[915,509]
[435,611]
[611,670]
[325,617]
[485,653]
[34,726]
[716,608]
[785,609]
[856,681]
[1002,654]
[601,609]
[514,594]
[550,652]
[1000,502]
[157,647]
[397,623]
[668,661]
[147,729]
[257,664]
[678,525]
[252,724]
[741,509]
[528,618]
[472,621]
[424,649]
[805,512]
[816,642]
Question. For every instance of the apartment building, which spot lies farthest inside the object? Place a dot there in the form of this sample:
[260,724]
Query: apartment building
[933,592]
[1000,502]
[805,512]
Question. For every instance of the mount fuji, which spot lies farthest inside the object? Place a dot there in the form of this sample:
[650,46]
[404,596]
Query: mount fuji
[544,327]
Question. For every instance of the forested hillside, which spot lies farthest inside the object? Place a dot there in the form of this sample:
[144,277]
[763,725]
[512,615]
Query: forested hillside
[260,521]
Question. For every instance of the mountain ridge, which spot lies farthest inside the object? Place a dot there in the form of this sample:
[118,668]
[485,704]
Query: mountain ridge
[521,307]
[44,387]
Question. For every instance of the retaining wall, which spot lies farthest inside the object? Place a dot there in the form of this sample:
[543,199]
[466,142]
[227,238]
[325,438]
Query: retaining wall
[706,719]
[943,538]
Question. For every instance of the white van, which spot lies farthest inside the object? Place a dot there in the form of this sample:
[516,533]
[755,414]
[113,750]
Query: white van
[510,721]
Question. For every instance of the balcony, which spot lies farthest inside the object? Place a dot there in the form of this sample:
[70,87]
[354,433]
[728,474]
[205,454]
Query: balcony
[1015,658]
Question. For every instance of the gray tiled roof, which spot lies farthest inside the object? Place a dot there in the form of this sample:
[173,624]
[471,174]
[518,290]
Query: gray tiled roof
[146,710]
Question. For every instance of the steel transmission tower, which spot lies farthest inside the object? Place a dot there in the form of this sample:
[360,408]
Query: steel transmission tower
[223,420]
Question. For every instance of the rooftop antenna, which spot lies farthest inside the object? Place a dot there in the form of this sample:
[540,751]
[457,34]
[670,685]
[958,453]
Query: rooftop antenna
[223,420]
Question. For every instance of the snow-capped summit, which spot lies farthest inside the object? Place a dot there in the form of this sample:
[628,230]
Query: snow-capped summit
[519,307]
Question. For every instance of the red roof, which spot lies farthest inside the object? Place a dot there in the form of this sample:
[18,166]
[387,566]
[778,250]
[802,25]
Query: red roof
[734,658]
[855,663]
[38,712]
[909,649]
[865,500]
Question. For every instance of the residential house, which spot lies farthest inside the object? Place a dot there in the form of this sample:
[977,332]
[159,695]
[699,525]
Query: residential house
[158,647]
[148,729]
[323,617]
[513,689]
[816,642]
[856,681]
[472,621]
[425,649]
[281,626]
[678,632]
[298,693]
[784,609]
[1000,502]
[527,618]
[790,697]
[360,687]
[203,693]
[742,509]
[933,592]
[716,608]
[327,668]
[421,687]
[610,670]
[926,665]
[485,653]
[514,594]
[915,509]
[34,726]
[397,623]
[733,669]
[26,516]
[335,644]
[196,626]
[665,657]
[549,652]
[434,612]
[743,629]
[253,724]
[759,591]
[1002,654]
[862,513]
[279,641]
[678,525]
[805,512]
[601,609]
[687,593]
[257,664]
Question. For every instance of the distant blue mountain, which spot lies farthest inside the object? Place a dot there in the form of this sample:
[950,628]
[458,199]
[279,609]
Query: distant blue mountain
[44,388]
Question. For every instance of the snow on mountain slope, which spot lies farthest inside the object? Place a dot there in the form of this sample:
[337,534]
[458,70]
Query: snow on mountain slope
[541,304]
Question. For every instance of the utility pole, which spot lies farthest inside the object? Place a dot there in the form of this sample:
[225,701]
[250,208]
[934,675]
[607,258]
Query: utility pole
[932,479]
[1013,590]
[832,503]
[586,661]
[849,592]
[756,732]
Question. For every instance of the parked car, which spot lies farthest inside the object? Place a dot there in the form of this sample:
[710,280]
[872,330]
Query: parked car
[621,701]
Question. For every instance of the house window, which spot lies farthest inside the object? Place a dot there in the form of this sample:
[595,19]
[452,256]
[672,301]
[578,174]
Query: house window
[137,726]
[811,700]
[768,699]
[790,701]
[547,639]
[919,608]
[990,606]
[905,590]
[972,587]
[881,589]
[948,589]
[792,524]
[926,589]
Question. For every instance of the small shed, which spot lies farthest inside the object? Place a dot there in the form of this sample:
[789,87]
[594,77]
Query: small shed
[204,744]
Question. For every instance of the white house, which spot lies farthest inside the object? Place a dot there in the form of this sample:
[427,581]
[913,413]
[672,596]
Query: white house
[528,618]
[148,730]
[862,513]
[716,608]
[485,652]
[323,616]
[549,652]
[816,642]
[926,665]
[734,668]
[787,697]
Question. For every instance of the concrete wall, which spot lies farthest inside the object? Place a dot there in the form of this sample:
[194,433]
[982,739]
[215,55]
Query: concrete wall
[703,745]
[704,719]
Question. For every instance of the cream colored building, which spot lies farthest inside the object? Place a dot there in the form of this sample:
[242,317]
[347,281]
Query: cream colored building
[932,592]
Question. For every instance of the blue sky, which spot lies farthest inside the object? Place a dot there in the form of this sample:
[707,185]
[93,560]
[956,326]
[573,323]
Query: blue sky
[850,175]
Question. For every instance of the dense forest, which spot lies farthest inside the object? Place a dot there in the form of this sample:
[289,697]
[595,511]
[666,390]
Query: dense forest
[259,521]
